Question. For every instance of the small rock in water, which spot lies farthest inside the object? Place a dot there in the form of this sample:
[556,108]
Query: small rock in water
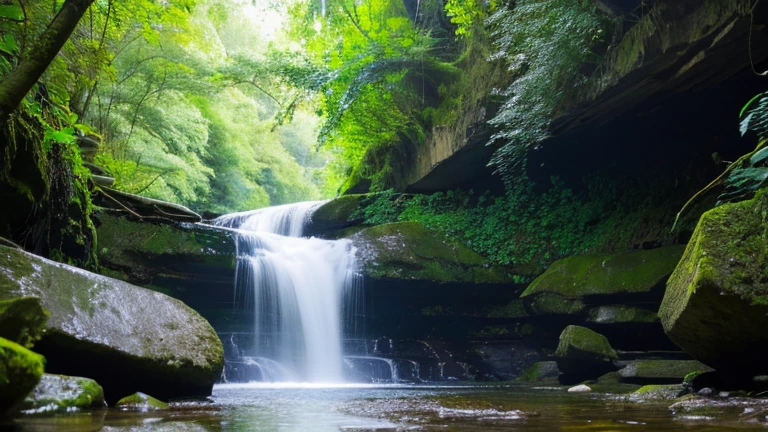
[580,389]
[706,391]
[141,402]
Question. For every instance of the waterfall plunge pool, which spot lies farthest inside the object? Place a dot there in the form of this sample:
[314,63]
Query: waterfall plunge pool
[298,408]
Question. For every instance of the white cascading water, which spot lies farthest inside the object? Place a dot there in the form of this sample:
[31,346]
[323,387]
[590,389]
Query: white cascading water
[295,286]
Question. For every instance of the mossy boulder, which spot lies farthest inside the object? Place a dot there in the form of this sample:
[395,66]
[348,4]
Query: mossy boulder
[141,402]
[125,337]
[331,218]
[612,383]
[411,251]
[583,354]
[140,251]
[22,320]
[541,372]
[660,371]
[656,393]
[20,371]
[716,303]
[572,283]
[61,393]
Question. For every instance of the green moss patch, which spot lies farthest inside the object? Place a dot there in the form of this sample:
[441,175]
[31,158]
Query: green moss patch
[581,343]
[22,320]
[20,371]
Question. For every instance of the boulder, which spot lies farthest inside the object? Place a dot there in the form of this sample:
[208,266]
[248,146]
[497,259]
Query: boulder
[571,283]
[22,320]
[334,216]
[612,383]
[20,371]
[541,372]
[141,402]
[61,393]
[583,354]
[410,251]
[660,371]
[716,303]
[656,393]
[621,314]
[125,337]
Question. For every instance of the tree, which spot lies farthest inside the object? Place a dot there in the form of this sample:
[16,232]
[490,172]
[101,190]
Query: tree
[36,60]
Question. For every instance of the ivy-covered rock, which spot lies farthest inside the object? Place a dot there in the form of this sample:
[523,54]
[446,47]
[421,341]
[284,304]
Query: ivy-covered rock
[20,371]
[568,283]
[125,337]
[583,354]
[61,393]
[660,371]
[22,320]
[716,303]
[141,402]
[409,250]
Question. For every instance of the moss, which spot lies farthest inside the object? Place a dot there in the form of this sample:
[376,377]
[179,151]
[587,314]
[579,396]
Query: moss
[531,374]
[653,393]
[584,344]
[60,393]
[20,371]
[22,320]
[141,402]
[514,309]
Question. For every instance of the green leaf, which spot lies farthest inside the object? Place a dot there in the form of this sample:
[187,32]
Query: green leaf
[13,12]
[758,157]
[8,44]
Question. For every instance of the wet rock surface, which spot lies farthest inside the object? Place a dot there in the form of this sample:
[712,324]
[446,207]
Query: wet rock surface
[141,402]
[60,393]
[583,354]
[98,326]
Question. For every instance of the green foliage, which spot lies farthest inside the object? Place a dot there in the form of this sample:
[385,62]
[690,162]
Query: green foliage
[467,15]
[545,43]
[523,227]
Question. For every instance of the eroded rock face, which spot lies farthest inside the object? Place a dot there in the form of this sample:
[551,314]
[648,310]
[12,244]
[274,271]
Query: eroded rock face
[716,303]
[20,371]
[410,251]
[125,337]
[572,283]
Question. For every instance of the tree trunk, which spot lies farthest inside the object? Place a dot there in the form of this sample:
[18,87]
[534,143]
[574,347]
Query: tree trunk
[42,52]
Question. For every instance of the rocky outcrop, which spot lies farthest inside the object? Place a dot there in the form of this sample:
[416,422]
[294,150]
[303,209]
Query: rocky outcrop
[141,402]
[716,303]
[410,251]
[125,337]
[570,284]
[144,251]
[334,216]
[20,371]
[583,354]
[61,393]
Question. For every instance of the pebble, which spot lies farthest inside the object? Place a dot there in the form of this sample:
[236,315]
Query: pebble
[580,389]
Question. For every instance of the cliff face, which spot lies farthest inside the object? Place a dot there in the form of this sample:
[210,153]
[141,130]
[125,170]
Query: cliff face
[676,48]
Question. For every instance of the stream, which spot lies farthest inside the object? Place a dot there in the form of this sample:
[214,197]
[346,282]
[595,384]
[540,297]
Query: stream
[360,407]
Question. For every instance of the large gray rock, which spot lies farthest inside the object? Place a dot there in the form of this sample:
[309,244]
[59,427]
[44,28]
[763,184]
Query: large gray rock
[125,337]
[716,303]
[660,371]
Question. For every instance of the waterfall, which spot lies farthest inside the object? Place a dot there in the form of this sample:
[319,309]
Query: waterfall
[295,286]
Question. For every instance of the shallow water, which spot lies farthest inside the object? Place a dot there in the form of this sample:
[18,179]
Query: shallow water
[289,408]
